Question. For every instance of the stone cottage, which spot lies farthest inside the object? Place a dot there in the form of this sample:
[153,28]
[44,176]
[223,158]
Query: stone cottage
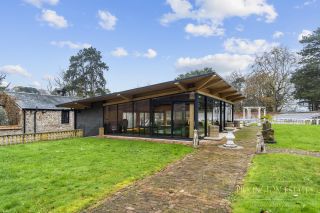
[33,113]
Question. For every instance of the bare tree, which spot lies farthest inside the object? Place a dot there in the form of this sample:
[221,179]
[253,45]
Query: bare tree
[3,87]
[269,82]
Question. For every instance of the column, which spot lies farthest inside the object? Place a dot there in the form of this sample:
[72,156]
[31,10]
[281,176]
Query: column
[259,113]
[244,113]
[249,113]
[196,107]
[264,111]
[232,111]
[221,119]
[191,119]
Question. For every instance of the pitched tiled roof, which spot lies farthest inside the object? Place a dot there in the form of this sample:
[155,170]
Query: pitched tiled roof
[36,101]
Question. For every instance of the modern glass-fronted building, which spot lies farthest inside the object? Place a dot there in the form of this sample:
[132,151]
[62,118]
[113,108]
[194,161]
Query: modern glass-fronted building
[170,109]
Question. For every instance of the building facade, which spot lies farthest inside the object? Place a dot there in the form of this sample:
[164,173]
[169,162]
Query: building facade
[170,109]
[33,113]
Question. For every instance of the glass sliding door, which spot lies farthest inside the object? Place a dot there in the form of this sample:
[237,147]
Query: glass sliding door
[110,119]
[181,120]
[162,120]
[201,115]
[125,118]
[216,112]
[142,117]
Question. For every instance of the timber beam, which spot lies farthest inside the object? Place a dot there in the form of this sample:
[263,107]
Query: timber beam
[181,86]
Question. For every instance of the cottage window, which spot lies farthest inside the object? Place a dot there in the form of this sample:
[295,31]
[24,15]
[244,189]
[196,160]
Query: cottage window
[65,117]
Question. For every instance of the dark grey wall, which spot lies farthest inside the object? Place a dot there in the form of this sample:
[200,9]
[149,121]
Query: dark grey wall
[90,119]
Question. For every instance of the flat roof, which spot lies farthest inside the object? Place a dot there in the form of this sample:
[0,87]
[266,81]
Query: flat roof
[210,84]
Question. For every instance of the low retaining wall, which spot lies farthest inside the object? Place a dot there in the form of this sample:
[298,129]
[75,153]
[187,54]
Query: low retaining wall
[46,136]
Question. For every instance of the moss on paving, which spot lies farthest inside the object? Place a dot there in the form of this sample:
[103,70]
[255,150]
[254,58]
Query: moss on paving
[69,175]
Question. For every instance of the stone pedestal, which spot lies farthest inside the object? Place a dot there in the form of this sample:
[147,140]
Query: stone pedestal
[213,131]
[237,124]
[230,137]
[230,124]
[101,131]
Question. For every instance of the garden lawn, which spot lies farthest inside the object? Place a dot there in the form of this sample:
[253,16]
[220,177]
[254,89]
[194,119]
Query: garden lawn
[305,137]
[280,183]
[69,175]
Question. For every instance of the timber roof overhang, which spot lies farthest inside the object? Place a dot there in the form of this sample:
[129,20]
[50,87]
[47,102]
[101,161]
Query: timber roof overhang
[212,85]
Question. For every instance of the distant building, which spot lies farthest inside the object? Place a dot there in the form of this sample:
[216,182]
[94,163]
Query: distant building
[33,113]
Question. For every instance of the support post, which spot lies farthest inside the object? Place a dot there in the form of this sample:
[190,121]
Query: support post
[244,113]
[196,107]
[191,120]
[232,112]
[220,110]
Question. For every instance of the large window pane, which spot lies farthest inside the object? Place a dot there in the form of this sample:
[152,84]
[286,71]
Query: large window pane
[201,115]
[142,117]
[110,119]
[181,120]
[125,118]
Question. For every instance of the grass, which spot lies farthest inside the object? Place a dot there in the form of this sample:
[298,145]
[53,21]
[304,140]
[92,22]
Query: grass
[280,183]
[246,134]
[69,175]
[305,137]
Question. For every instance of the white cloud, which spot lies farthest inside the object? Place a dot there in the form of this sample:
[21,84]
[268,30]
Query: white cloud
[277,34]
[223,63]
[36,84]
[213,12]
[48,77]
[119,52]
[245,46]
[305,4]
[107,20]
[40,3]
[304,33]
[203,30]
[240,28]
[53,19]
[15,69]
[70,44]
[4,84]
[150,53]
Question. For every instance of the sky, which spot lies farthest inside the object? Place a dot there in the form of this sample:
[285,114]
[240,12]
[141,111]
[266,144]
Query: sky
[146,41]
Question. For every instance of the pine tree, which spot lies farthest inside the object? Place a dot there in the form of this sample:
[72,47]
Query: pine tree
[307,77]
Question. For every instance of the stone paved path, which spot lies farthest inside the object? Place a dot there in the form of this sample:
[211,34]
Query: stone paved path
[201,182]
[293,151]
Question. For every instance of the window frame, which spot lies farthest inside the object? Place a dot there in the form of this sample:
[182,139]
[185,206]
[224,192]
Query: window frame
[65,116]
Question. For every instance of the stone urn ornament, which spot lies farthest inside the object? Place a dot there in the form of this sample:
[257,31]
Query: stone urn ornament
[230,138]
[268,132]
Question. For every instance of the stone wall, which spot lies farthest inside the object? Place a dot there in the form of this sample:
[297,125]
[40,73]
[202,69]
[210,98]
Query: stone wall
[47,121]
[13,129]
[10,130]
